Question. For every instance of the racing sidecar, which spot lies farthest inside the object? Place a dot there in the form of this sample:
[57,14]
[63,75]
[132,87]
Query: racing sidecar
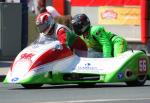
[47,61]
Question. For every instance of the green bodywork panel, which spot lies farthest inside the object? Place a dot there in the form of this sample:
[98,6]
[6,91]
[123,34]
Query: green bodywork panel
[119,75]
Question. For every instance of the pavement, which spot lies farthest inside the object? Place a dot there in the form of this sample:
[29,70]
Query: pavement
[4,67]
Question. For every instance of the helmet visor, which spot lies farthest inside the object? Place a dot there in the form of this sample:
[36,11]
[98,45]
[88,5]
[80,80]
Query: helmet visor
[77,29]
[43,27]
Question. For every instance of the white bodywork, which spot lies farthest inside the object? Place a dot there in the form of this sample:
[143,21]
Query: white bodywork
[73,63]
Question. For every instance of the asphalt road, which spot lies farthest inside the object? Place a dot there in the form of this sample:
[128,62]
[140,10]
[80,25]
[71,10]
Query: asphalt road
[101,93]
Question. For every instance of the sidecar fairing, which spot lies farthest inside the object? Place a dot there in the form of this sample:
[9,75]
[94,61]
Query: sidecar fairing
[50,62]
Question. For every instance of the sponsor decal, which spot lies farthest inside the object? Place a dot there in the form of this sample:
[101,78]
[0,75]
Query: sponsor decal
[58,47]
[25,59]
[120,75]
[14,79]
[87,66]
[27,56]
[119,15]
[142,65]
[109,14]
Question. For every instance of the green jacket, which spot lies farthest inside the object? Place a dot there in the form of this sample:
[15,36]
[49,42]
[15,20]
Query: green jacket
[106,42]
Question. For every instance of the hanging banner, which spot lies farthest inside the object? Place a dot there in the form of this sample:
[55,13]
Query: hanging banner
[119,15]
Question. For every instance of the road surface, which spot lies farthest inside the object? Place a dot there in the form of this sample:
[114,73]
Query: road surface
[101,93]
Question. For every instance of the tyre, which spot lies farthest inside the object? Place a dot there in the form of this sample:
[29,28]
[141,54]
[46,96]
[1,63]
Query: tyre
[140,81]
[87,85]
[31,86]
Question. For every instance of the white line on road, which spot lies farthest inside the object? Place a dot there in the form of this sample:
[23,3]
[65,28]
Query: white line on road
[99,100]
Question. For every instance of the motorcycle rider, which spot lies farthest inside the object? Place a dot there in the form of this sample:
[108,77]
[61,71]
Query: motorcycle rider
[48,27]
[97,38]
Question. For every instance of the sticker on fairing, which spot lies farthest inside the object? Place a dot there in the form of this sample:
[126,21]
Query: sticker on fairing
[120,75]
[14,79]
[142,66]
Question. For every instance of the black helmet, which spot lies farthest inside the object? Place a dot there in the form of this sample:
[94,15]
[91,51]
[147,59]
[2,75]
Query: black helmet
[80,23]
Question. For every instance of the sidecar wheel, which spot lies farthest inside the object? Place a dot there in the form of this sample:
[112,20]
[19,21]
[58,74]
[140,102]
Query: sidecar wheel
[87,85]
[140,81]
[31,86]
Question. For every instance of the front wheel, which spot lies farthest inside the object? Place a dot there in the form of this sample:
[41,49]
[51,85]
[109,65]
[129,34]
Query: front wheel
[140,81]
[31,86]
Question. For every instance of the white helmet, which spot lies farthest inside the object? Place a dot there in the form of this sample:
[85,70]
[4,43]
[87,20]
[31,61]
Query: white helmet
[45,22]
[52,11]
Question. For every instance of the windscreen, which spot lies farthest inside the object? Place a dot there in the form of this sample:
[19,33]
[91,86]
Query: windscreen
[43,39]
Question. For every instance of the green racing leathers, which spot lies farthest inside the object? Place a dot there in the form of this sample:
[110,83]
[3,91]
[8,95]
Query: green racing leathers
[102,41]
